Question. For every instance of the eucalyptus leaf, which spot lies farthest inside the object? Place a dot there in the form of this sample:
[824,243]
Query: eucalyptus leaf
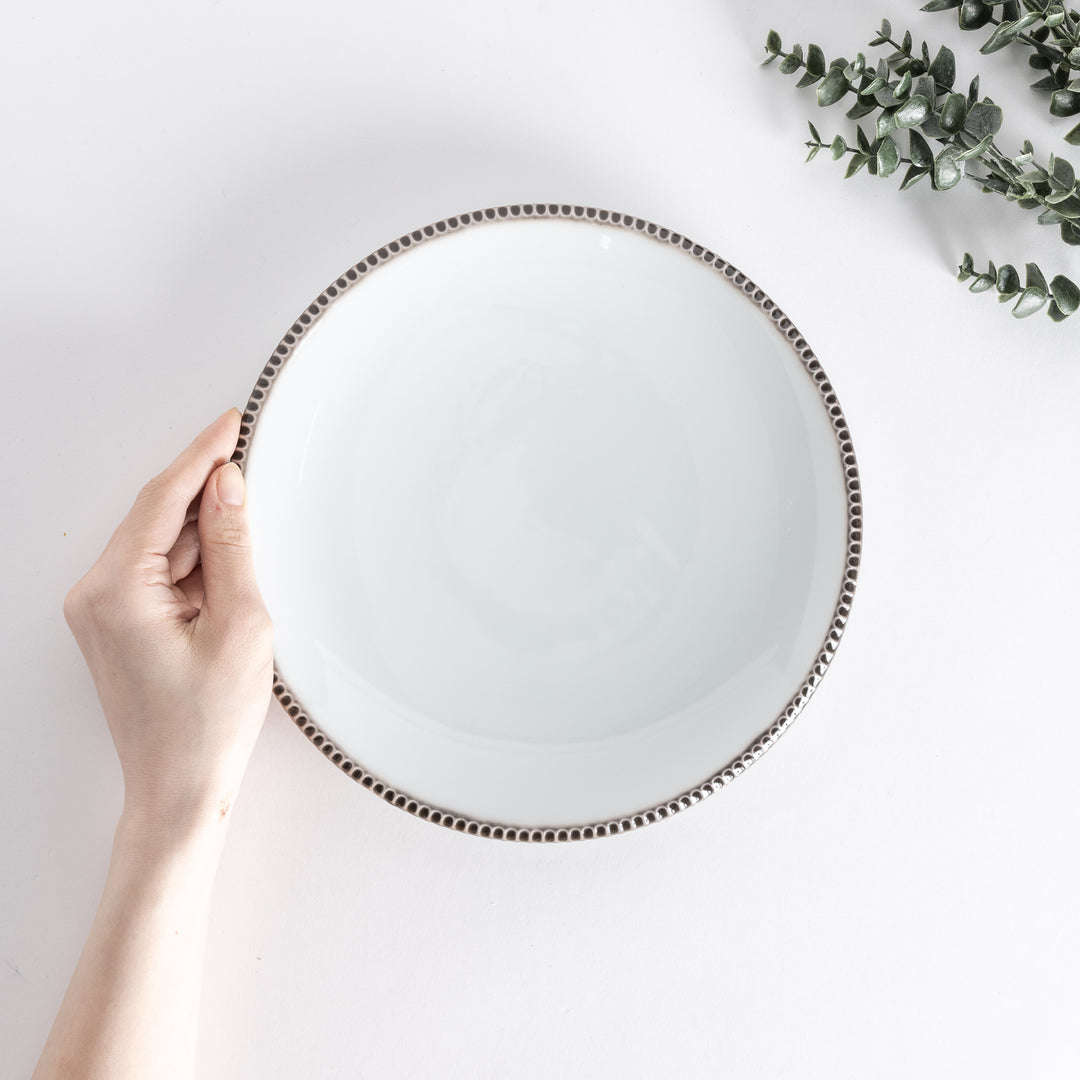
[1055,19]
[1064,174]
[1035,279]
[1031,300]
[1070,234]
[1003,34]
[974,15]
[815,60]
[943,68]
[913,112]
[1064,103]
[914,174]
[790,64]
[932,129]
[940,5]
[885,97]
[925,87]
[1059,196]
[953,112]
[864,142]
[833,88]
[1073,137]
[903,87]
[814,132]
[1069,207]
[1050,217]
[1066,294]
[947,170]
[981,283]
[983,118]
[975,151]
[888,156]
[1008,280]
[886,122]
[773,42]
[859,110]
[919,149]
[856,163]
[838,148]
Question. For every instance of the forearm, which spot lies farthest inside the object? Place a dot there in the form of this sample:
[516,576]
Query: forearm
[131,1008]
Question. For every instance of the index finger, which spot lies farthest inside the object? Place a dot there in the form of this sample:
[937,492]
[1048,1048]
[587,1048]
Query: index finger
[154,522]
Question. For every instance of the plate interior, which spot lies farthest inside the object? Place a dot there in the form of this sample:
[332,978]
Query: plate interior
[551,521]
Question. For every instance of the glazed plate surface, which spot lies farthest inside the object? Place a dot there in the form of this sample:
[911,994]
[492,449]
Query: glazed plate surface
[556,518]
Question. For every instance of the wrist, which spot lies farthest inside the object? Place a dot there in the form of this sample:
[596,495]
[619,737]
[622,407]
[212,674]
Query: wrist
[165,822]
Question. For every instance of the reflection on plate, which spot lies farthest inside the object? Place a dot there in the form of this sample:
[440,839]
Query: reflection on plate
[557,518]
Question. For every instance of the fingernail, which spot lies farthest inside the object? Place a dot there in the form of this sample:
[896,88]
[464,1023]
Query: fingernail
[230,485]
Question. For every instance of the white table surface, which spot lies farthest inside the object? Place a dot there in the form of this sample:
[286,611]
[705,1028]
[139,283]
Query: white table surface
[892,891]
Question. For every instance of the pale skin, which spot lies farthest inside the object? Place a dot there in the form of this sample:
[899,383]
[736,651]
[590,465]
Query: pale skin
[179,644]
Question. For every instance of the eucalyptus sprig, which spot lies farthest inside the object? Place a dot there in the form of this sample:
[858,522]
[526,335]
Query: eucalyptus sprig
[949,135]
[1048,29]
[912,93]
[1063,294]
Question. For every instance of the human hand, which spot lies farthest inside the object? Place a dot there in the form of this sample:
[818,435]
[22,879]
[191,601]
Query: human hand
[177,638]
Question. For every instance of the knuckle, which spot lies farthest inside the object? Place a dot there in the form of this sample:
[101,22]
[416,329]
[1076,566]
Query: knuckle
[233,536]
[74,604]
[83,600]
[154,487]
[99,602]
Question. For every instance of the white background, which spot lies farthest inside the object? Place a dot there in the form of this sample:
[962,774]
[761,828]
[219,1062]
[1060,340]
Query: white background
[891,892]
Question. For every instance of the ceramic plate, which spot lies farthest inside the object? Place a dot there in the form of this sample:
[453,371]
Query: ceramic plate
[557,518]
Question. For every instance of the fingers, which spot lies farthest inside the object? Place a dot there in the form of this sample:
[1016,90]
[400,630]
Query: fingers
[192,587]
[162,507]
[184,556]
[230,592]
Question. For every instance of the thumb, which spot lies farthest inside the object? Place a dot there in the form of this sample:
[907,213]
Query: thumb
[229,586]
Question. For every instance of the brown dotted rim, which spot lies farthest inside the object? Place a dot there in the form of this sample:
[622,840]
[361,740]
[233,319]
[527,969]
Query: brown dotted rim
[784,326]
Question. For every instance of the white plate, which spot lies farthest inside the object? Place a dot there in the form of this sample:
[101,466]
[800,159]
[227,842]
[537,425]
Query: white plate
[557,519]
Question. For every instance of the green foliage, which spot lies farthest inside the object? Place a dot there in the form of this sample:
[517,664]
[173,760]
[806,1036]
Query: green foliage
[911,100]
[1062,294]
[1048,30]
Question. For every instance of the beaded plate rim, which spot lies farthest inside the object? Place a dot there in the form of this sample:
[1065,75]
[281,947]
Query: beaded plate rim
[841,611]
